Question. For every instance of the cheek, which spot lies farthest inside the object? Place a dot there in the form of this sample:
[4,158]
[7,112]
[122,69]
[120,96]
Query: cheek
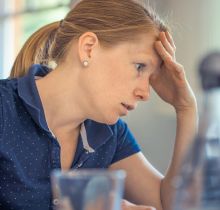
[119,75]
[114,79]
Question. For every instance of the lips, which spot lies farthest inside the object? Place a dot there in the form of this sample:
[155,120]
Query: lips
[128,106]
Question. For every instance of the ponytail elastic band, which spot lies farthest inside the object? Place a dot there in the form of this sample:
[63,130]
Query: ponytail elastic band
[61,23]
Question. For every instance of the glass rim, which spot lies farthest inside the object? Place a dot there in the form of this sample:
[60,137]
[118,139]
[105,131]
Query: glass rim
[84,173]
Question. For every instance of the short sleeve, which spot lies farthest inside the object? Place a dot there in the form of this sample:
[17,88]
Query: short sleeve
[126,143]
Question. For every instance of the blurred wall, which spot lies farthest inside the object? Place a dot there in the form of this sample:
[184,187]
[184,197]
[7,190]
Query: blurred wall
[196,31]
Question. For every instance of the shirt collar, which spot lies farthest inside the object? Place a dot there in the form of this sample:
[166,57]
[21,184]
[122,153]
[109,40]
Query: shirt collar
[27,91]
[93,134]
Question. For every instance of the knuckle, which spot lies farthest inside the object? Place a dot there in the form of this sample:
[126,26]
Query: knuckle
[169,60]
[180,67]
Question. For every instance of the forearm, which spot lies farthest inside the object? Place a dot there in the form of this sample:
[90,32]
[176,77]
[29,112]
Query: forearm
[187,121]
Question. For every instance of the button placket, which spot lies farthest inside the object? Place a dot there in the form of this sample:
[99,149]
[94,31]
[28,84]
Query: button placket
[55,154]
[84,157]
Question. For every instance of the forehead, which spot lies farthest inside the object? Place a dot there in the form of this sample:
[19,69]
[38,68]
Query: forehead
[144,47]
[141,49]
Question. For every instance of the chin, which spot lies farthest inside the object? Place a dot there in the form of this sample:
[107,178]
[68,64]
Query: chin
[110,120]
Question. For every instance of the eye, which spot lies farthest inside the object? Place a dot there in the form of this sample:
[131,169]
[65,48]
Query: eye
[140,67]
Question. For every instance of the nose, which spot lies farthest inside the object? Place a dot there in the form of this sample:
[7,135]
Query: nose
[142,94]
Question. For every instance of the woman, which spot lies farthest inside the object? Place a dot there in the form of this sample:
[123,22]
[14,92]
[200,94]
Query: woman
[107,54]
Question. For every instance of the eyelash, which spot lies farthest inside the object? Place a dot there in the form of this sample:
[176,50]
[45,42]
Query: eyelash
[142,67]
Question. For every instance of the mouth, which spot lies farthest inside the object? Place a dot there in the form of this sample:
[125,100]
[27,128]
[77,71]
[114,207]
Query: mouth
[128,106]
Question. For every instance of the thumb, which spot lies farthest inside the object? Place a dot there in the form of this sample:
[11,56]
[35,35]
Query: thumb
[126,205]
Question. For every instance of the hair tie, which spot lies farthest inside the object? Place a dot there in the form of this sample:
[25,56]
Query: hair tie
[61,23]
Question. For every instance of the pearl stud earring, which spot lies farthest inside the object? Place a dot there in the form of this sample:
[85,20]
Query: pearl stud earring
[85,63]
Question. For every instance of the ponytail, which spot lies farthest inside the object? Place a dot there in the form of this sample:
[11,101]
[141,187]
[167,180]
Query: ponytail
[36,50]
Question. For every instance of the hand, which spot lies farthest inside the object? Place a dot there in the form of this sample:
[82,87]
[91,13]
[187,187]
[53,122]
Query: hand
[169,81]
[126,205]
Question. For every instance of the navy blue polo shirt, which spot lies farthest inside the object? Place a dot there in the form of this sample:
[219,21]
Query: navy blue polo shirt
[29,151]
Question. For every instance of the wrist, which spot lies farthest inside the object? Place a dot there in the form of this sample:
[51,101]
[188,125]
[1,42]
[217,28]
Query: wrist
[189,108]
[187,114]
[185,110]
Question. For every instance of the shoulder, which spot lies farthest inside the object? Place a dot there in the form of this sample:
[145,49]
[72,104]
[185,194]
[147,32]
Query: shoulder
[126,142]
[2,90]
[7,91]
[7,86]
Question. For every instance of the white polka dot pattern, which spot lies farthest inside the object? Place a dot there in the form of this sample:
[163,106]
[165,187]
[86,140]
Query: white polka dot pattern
[29,151]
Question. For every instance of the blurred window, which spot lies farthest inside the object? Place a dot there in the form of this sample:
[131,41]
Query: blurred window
[19,19]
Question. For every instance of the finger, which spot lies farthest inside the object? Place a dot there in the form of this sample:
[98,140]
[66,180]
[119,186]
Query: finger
[126,205]
[168,60]
[180,71]
[170,39]
[140,207]
[166,43]
[166,57]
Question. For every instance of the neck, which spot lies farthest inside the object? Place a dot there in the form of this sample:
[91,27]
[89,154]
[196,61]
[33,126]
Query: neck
[61,99]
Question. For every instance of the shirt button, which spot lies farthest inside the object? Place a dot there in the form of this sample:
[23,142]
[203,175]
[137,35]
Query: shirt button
[80,164]
[55,202]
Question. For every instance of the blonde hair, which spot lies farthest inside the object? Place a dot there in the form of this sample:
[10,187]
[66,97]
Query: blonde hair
[113,21]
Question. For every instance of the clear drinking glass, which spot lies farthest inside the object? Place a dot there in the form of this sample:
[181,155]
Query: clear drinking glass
[84,189]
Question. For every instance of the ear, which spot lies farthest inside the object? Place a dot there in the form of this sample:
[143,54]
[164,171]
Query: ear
[86,44]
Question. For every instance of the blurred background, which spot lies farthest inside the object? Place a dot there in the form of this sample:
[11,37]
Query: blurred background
[196,31]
